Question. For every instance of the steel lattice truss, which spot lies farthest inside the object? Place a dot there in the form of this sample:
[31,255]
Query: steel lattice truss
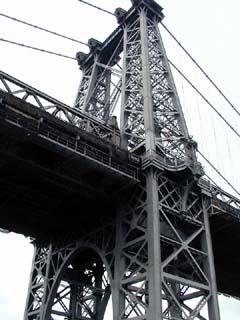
[153,251]
[184,255]
[98,92]
[133,101]
[58,109]
[70,281]
[148,94]
[94,97]
[148,85]
[76,279]
[171,131]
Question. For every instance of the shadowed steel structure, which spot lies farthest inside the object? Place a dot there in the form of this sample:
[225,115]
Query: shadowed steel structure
[126,213]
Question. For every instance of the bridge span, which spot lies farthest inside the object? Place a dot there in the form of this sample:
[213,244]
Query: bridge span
[57,162]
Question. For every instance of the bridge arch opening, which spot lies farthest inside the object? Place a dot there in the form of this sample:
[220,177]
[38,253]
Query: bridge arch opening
[81,289]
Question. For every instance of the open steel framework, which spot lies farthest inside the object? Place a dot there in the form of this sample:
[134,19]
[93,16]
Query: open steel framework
[152,252]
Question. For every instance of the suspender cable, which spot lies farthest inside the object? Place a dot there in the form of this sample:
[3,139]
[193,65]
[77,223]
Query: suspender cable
[200,68]
[204,98]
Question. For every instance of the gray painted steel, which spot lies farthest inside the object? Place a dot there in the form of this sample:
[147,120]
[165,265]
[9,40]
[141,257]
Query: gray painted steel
[152,248]
[160,260]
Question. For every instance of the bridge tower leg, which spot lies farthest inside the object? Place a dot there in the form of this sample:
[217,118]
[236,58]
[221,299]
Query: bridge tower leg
[154,254]
[94,95]
[166,248]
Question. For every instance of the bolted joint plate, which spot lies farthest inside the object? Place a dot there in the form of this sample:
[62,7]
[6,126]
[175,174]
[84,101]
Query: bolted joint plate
[153,10]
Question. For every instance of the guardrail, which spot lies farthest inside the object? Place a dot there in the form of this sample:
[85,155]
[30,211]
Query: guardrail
[110,157]
[221,199]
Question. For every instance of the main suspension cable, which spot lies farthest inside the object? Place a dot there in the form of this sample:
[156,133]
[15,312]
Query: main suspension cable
[43,29]
[37,49]
[200,68]
[96,7]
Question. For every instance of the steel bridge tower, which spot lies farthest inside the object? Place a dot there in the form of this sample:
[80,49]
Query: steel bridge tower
[151,250]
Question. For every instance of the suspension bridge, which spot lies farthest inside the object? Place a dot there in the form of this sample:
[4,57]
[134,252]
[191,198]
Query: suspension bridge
[117,209]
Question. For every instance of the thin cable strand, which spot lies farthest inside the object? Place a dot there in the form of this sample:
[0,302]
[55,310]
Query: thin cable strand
[43,29]
[213,182]
[200,68]
[218,172]
[203,97]
[96,7]
[38,49]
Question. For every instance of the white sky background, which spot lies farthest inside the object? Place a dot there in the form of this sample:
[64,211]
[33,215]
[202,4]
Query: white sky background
[208,29]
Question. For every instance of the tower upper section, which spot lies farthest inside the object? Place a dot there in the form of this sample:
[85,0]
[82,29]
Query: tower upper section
[151,118]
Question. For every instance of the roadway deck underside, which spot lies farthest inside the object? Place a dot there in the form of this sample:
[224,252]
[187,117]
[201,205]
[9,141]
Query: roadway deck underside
[225,230]
[54,170]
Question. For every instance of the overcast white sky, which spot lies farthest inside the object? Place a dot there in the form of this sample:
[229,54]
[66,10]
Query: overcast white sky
[209,29]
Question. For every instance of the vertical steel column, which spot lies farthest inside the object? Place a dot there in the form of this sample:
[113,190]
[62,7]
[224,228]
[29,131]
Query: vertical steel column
[107,98]
[125,79]
[39,283]
[83,87]
[118,297]
[154,257]
[73,302]
[213,306]
[94,92]
[147,88]
[29,306]
[91,85]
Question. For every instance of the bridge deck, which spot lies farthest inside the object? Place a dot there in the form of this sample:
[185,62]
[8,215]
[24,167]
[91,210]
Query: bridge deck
[50,169]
